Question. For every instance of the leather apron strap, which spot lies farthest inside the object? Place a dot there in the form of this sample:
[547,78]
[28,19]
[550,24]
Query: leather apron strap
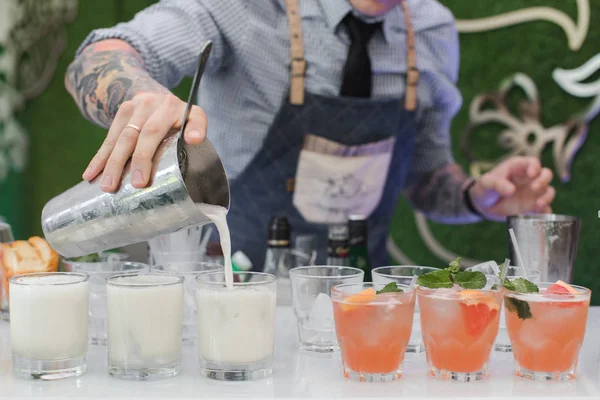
[298,63]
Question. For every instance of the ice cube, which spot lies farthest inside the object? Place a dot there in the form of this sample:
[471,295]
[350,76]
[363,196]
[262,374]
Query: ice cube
[487,268]
[321,313]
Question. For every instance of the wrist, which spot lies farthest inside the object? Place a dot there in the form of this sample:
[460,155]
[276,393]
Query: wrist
[468,199]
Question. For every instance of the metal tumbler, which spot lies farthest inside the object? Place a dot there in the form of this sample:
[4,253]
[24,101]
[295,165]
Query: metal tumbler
[85,220]
[548,243]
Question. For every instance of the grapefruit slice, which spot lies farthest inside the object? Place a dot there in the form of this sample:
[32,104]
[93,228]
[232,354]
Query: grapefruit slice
[562,290]
[561,287]
[477,311]
[366,296]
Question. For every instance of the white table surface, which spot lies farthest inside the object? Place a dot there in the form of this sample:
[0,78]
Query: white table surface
[299,373]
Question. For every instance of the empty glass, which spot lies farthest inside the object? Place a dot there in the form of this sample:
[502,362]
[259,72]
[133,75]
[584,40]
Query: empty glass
[189,271]
[98,273]
[311,302]
[502,343]
[404,274]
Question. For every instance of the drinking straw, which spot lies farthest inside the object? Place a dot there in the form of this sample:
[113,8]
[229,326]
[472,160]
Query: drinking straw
[413,282]
[504,271]
[517,251]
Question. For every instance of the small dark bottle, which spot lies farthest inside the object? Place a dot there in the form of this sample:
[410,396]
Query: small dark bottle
[359,249]
[338,252]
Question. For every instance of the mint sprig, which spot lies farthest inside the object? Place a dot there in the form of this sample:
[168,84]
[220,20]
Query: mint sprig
[436,279]
[519,285]
[390,288]
[470,279]
[448,277]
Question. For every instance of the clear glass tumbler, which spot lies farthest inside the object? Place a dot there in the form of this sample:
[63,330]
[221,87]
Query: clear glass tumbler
[236,326]
[373,330]
[403,275]
[49,326]
[459,328]
[547,331]
[144,325]
[189,271]
[312,305]
[502,343]
[98,273]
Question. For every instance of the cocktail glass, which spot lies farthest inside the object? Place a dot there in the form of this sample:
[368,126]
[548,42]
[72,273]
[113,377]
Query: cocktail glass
[236,327]
[144,325]
[49,325]
[502,343]
[459,328]
[189,271]
[372,329]
[311,288]
[404,274]
[546,331]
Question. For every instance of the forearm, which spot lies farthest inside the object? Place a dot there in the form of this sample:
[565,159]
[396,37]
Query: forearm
[104,75]
[439,196]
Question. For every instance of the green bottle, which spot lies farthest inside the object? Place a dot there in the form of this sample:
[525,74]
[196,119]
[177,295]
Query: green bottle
[359,249]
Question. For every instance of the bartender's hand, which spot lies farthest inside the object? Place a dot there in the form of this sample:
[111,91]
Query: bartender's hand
[155,114]
[518,185]
[111,86]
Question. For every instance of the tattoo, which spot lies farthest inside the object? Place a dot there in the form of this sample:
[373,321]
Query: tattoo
[439,196]
[105,75]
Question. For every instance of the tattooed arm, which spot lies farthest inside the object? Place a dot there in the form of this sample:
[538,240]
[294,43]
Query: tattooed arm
[106,74]
[113,89]
[439,195]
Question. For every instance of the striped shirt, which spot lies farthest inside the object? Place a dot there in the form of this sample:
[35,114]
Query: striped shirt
[247,77]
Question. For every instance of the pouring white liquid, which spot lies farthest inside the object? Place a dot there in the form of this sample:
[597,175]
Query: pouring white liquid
[218,215]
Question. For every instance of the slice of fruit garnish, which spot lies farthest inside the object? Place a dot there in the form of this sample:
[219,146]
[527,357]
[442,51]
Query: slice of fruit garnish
[561,287]
[562,290]
[477,311]
[366,296]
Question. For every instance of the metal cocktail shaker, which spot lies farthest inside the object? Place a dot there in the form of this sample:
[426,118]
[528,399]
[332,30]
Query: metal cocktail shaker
[85,220]
[548,243]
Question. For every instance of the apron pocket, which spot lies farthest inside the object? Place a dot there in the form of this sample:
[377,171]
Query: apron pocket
[334,181]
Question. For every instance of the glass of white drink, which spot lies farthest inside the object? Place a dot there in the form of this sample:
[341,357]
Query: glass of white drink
[236,326]
[144,325]
[98,272]
[49,325]
[189,271]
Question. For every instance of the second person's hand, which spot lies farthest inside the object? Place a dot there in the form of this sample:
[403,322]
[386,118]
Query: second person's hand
[137,130]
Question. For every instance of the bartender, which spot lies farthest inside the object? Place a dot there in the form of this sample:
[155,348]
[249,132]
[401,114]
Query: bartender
[318,109]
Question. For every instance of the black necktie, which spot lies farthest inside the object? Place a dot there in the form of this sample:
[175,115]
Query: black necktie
[357,71]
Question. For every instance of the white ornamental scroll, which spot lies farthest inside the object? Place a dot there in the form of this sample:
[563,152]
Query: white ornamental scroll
[576,31]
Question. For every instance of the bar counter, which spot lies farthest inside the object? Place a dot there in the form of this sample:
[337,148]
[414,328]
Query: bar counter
[300,374]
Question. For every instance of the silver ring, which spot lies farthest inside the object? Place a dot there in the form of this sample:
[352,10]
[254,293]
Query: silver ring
[132,126]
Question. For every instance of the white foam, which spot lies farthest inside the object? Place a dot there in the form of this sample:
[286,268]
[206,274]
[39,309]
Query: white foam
[145,280]
[53,279]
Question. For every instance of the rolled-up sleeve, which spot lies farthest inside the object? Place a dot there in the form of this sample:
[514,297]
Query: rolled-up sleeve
[169,36]
[433,143]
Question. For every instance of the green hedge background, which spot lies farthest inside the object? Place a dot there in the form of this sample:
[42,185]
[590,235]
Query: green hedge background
[62,142]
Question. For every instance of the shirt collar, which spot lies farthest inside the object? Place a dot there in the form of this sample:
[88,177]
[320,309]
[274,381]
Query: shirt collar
[335,11]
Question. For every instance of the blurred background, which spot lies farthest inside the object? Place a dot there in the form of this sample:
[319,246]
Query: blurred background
[45,143]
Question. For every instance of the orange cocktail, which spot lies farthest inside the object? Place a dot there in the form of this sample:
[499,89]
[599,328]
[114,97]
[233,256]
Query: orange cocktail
[372,329]
[546,330]
[459,328]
